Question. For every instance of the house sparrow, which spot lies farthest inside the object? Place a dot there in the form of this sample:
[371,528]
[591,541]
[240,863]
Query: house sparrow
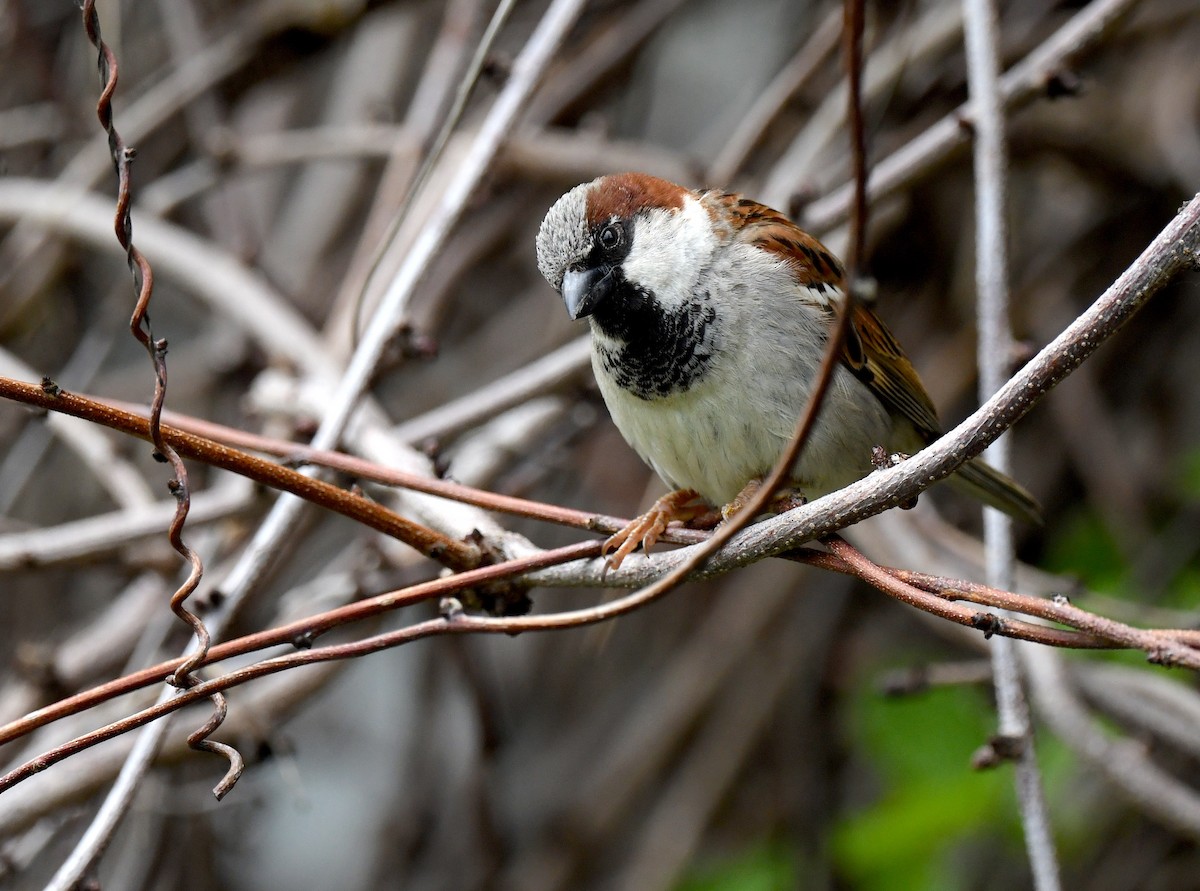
[709,315]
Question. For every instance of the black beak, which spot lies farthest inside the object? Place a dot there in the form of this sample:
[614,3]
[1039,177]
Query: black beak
[583,289]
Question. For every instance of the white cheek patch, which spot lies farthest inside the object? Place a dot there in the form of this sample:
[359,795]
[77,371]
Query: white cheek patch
[670,249]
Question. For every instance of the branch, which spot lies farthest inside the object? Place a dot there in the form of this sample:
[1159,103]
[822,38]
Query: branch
[1022,84]
[981,32]
[49,396]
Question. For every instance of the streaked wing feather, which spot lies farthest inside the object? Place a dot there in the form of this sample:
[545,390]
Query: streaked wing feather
[770,230]
[870,351]
[886,370]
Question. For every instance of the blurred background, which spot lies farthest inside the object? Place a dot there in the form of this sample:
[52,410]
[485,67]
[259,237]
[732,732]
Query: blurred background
[777,728]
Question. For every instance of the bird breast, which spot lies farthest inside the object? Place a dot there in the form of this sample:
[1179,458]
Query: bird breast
[729,424]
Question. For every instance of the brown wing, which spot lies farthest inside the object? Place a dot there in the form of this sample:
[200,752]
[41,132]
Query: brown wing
[756,223]
[875,358]
[869,352]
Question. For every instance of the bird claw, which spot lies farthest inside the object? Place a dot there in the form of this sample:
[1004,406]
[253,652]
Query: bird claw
[781,502]
[645,530]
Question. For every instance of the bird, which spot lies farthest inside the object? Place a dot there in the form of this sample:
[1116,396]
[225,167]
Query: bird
[709,316]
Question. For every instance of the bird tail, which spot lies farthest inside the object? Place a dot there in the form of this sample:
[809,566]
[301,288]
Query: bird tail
[987,484]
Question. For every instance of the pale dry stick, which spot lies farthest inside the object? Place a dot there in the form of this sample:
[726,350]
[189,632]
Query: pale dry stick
[995,349]
[1122,762]
[934,33]
[1164,706]
[109,533]
[386,321]
[233,292]
[550,155]
[125,484]
[543,375]
[377,239]
[1023,83]
[516,434]
[588,65]
[359,285]
[316,206]
[138,120]
[789,81]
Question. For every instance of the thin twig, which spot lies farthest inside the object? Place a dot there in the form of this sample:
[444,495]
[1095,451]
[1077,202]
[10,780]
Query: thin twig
[108,533]
[981,34]
[852,53]
[1122,762]
[1173,250]
[429,542]
[1023,83]
[95,839]
[431,158]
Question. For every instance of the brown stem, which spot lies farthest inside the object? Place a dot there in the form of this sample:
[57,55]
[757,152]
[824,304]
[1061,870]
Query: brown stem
[455,554]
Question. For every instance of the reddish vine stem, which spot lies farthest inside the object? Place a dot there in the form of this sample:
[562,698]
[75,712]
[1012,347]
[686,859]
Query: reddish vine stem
[844,558]
[301,633]
[450,552]
[1163,647]
[852,31]
[852,52]
[139,326]
[929,593]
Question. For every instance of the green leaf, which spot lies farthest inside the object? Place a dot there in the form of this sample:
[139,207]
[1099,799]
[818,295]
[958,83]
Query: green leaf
[766,867]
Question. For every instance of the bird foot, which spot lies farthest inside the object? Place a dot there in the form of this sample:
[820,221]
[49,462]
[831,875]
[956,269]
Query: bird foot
[781,502]
[646,529]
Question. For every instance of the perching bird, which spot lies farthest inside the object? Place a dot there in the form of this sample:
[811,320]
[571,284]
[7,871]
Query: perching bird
[709,315]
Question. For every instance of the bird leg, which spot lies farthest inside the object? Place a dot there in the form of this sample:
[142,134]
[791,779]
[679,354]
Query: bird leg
[646,529]
[781,502]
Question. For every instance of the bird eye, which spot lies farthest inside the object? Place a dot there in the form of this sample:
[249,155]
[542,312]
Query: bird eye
[610,236]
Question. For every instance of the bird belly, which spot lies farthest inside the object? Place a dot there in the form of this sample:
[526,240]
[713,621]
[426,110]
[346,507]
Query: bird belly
[729,429]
